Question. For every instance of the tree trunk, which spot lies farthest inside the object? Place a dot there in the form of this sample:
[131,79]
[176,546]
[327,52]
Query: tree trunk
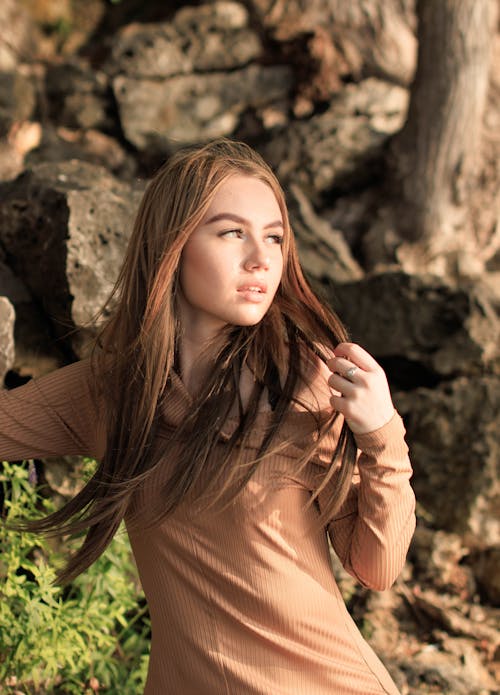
[435,156]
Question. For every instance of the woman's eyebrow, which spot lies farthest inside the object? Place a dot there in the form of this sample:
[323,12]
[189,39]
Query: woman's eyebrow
[240,220]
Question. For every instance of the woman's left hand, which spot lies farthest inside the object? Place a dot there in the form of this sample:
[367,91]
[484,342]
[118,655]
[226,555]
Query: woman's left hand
[361,392]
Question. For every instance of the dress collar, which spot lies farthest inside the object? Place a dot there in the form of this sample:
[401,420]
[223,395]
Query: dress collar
[298,425]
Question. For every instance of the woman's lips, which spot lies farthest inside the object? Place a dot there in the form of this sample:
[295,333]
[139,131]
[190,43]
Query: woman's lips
[253,292]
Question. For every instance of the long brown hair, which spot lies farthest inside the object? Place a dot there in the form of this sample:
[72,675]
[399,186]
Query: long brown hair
[135,356]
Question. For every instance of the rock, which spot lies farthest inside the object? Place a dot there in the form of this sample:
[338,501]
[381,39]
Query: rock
[22,138]
[338,41]
[346,583]
[164,114]
[383,618]
[148,50]
[376,38]
[191,79]
[454,435]
[67,26]
[61,144]
[49,13]
[17,98]
[36,351]
[11,287]
[209,37]
[344,143]
[79,96]
[377,619]
[460,645]
[437,558]
[65,227]
[23,37]
[64,476]
[429,641]
[486,567]
[18,134]
[422,328]
[7,351]
[434,671]
[455,617]
[323,251]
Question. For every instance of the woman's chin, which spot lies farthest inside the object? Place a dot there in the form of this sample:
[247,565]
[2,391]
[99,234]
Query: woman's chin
[251,320]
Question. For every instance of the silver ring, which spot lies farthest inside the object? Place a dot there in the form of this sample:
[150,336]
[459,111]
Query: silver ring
[351,372]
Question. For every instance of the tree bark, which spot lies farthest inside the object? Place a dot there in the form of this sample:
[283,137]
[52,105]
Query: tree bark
[435,156]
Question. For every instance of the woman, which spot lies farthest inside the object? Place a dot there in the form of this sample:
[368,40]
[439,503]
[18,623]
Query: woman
[235,426]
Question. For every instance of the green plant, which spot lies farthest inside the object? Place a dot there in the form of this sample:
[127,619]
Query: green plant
[93,634]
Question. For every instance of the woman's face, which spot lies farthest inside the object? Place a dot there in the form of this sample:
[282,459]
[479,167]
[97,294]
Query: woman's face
[232,263]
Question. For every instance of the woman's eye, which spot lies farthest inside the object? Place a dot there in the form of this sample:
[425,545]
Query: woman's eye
[231,233]
[276,238]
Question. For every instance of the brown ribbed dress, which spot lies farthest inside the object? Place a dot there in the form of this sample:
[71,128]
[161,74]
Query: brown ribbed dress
[244,601]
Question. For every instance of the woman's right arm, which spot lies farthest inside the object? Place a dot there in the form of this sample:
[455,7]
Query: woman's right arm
[54,415]
[373,529]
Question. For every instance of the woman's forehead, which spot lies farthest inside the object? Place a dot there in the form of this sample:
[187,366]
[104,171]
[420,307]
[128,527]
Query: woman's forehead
[246,196]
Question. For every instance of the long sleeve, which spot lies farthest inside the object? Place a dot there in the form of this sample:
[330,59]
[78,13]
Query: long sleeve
[373,529]
[52,416]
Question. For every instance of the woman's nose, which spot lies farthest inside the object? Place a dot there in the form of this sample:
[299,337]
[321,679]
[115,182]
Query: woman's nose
[258,257]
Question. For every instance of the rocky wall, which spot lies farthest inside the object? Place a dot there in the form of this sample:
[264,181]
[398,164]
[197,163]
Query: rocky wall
[319,90]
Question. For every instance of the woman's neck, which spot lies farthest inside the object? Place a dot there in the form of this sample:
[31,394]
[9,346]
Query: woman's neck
[195,361]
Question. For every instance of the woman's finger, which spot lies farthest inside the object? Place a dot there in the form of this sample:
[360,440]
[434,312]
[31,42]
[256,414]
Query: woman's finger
[356,354]
[365,399]
[343,385]
[346,369]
